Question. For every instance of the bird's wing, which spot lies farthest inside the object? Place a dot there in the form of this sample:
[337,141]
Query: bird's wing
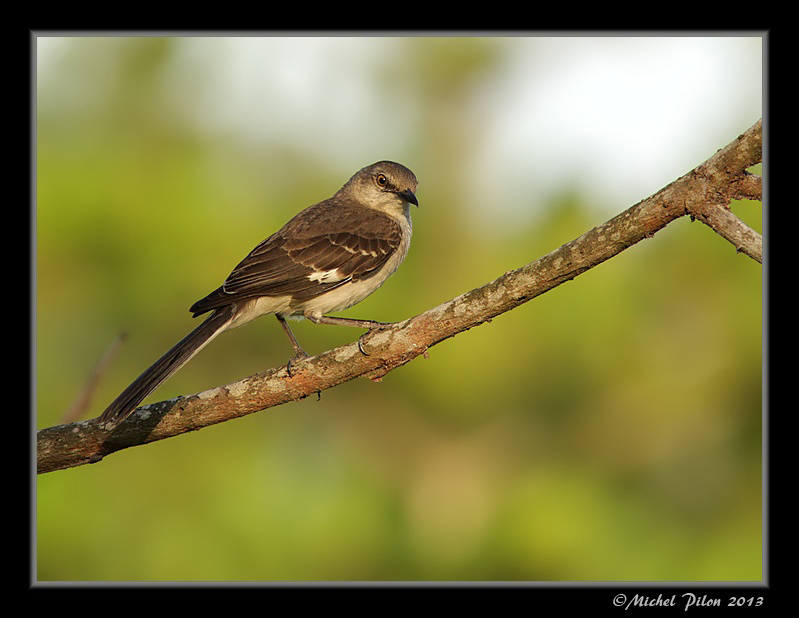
[310,256]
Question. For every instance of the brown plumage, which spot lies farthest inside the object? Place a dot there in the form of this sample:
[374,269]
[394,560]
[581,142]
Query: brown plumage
[327,258]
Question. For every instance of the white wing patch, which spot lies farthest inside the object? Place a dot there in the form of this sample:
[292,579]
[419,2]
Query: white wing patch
[326,276]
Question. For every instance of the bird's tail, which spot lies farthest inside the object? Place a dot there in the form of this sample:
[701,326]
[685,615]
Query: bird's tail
[168,364]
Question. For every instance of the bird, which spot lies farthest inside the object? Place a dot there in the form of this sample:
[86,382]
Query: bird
[327,258]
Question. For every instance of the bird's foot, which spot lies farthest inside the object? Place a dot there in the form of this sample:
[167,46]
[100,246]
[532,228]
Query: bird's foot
[374,326]
[297,357]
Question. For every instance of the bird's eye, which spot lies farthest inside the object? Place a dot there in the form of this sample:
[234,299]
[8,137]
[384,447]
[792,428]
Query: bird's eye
[381,180]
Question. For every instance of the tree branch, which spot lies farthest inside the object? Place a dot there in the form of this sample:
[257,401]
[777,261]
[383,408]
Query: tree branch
[704,193]
[85,396]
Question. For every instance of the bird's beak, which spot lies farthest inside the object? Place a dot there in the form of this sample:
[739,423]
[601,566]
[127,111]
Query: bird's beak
[408,196]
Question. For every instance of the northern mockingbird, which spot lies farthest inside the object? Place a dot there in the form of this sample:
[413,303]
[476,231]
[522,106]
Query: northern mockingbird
[327,258]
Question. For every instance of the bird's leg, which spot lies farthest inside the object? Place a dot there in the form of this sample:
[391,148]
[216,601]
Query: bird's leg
[326,319]
[371,325]
[298,351]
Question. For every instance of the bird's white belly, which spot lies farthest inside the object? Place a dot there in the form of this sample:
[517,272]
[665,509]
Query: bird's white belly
[337,299]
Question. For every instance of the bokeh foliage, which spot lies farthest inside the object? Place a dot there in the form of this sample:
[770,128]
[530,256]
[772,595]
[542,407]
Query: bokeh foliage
[608,430]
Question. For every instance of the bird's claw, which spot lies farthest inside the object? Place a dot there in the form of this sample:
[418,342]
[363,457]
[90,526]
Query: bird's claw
[292,360]
[377,326]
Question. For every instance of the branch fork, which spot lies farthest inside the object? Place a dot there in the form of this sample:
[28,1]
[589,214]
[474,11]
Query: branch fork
[703,194]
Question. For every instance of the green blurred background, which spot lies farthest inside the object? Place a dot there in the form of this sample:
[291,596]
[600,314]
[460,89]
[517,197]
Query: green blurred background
[608,430]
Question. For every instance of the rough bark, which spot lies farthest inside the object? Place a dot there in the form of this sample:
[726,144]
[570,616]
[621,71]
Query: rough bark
[704,194]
